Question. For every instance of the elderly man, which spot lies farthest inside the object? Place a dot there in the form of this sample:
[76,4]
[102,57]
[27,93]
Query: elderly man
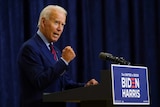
[43,67]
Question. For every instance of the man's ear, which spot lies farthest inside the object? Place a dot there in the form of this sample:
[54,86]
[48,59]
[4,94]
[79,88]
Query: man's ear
[43,22]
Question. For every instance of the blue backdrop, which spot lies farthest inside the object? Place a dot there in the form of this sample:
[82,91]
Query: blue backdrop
[127,28]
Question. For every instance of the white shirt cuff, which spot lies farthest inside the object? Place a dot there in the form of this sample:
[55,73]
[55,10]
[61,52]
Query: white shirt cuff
[64,61]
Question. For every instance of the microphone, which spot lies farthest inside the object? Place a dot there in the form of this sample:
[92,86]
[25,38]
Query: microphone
[108,56]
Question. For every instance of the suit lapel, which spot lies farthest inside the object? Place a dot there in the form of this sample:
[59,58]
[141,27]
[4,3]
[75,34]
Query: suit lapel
[44,49]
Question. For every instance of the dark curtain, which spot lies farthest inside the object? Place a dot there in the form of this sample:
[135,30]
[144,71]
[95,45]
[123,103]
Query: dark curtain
[125,28]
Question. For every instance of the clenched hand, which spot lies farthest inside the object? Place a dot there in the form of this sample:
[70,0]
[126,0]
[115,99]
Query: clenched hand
[68,54]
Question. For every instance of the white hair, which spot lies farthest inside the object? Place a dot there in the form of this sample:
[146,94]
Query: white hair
[47,11]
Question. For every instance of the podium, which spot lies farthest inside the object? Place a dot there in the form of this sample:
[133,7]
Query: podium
[95,96]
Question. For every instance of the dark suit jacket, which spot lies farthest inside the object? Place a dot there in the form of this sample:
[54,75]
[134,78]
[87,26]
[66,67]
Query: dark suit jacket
[40,73]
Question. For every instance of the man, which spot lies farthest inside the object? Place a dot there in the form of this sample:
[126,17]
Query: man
[40,70]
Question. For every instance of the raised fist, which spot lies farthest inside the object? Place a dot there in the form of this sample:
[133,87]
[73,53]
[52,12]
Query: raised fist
[68,54]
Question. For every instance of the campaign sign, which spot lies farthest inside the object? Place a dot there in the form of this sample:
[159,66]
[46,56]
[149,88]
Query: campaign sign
[130,85]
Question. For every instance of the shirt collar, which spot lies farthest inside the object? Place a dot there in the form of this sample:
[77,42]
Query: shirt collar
[43,38]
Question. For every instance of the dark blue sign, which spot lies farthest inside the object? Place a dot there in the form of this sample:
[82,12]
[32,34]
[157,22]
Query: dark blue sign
[130,85]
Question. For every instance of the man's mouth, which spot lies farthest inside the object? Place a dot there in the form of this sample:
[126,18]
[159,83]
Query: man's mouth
[56,35]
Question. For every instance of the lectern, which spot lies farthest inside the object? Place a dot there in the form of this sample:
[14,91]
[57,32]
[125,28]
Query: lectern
[94,96]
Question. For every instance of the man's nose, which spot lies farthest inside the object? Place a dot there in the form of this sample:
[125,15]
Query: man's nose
[59,28]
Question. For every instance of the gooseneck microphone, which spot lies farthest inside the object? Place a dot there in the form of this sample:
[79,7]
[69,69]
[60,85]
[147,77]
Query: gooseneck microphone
[110,57]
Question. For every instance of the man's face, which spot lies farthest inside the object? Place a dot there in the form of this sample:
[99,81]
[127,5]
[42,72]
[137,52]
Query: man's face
[52,28]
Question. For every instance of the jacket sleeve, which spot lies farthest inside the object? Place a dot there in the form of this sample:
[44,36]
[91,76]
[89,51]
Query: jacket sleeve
[69,83]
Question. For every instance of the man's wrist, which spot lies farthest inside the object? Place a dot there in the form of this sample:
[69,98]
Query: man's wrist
[65,61]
